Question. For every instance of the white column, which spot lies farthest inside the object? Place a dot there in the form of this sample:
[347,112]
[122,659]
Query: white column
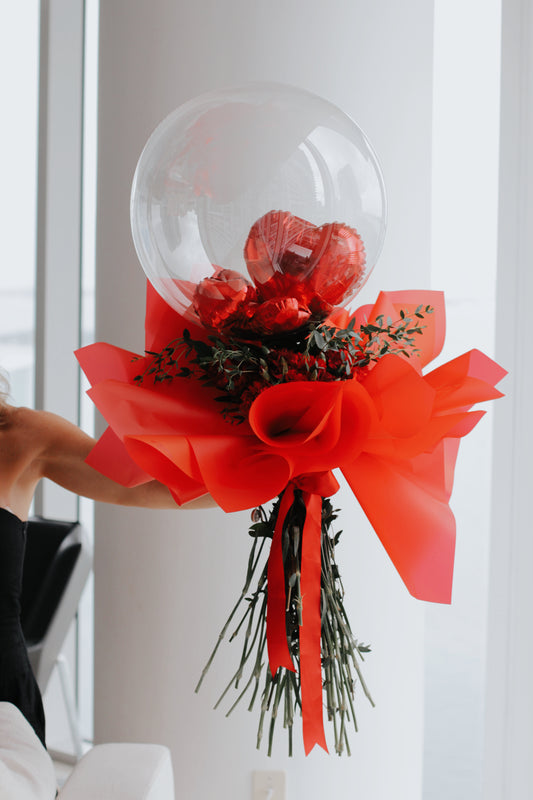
[464,265]
[58,259]
[165,580]
[509,699]
[59,225]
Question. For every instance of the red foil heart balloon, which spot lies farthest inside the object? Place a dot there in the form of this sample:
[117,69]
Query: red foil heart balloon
[320,266]
[300,272]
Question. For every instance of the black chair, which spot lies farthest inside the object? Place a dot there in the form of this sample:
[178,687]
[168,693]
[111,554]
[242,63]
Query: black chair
[57,564]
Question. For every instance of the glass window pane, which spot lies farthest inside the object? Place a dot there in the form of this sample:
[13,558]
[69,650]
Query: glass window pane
[19,28]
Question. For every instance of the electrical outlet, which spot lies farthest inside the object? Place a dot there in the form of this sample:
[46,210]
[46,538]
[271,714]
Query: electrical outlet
[268,785]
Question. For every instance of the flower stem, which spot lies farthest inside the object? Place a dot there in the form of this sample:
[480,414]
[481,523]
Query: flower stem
[340,651]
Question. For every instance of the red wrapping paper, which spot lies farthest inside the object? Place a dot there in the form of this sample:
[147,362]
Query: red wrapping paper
[394,427]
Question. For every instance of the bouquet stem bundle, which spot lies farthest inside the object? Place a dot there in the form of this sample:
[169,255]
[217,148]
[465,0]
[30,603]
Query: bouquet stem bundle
[342,655]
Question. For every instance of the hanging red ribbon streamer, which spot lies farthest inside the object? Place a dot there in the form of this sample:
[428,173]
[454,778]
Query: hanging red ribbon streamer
[310,589]
[310,631]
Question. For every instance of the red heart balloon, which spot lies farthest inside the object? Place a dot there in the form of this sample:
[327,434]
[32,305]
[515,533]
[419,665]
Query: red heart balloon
[319,266]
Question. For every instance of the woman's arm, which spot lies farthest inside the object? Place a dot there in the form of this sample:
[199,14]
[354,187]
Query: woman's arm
[62,459]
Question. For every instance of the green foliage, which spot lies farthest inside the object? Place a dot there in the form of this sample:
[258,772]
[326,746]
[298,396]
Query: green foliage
[308,353]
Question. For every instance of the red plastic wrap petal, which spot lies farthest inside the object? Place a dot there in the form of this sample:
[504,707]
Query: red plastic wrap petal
[237,473]
[162,324]
[404,402]
[415,524]
[431,341]
[171,461]
[101,361]
[315,426]
[183,407]
[110,457]
[467,379]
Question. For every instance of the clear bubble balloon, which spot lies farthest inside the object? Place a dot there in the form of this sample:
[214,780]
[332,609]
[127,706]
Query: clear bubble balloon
[264,188]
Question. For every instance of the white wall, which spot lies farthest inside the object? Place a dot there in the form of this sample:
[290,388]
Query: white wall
[463,264]
[164,580]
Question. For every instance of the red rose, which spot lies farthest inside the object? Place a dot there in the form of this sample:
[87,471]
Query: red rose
[278,315]
[221,301]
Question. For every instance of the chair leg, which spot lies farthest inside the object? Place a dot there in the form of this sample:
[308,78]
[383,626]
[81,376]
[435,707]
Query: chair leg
[70,705]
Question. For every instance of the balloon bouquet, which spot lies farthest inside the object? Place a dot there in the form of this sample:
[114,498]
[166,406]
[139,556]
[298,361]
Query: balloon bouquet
[258,213]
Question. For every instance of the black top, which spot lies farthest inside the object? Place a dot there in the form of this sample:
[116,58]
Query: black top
[17,682]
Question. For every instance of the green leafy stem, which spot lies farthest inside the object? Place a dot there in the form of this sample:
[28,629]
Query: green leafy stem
[226,363]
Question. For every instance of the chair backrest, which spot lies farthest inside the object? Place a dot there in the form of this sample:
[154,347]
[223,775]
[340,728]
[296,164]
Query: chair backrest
[57,563]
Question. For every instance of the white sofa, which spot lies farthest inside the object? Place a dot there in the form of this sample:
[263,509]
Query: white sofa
[107,772]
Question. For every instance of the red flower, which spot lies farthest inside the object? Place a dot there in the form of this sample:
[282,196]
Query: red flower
[222,301]
[250,393]
[277,315]
[226,301]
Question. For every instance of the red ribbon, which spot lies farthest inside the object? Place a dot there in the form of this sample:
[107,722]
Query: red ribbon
[310,631]
[314,488]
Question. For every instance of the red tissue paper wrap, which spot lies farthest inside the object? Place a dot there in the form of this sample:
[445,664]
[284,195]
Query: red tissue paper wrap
[394,427]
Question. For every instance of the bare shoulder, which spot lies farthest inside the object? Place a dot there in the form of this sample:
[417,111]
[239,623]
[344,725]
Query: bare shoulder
[42,420]
[22,443]
[43,432]
[60,436]
[25,418]
[37,424]
[21,424]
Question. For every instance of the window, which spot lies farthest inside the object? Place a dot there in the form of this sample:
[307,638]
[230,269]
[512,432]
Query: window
[19,36]
[47,162]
